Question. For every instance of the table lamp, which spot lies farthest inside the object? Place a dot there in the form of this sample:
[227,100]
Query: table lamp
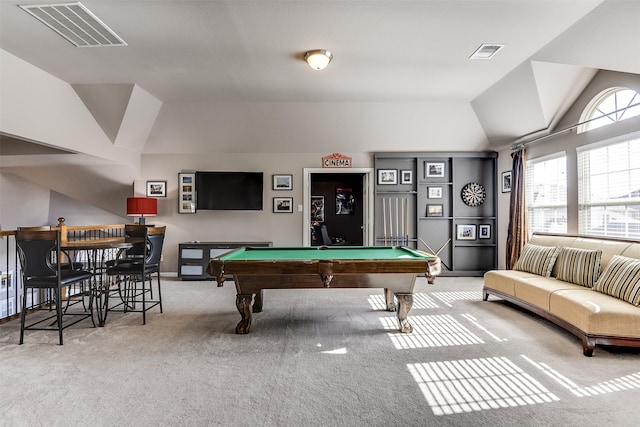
[142,207]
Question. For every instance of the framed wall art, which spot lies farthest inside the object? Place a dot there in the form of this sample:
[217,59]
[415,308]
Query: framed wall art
[435,170]
[435,210]
[317,208]
[466,232]
[506,182]
[283,182]
[345,202]
[156,188]
[406,177]
[387,176]
[484,231]
[187,193]
[283,204]
[435,193]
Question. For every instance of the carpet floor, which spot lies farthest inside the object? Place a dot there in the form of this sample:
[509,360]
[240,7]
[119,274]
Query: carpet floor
[322,357]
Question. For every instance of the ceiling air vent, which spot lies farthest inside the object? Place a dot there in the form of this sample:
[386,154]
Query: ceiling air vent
[75,23]
[486,51]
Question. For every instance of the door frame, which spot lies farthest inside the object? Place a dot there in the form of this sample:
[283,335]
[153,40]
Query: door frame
[367,203]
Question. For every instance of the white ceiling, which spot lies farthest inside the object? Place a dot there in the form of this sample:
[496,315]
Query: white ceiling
[384,51]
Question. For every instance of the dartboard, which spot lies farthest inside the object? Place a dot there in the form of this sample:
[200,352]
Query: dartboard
[473,194]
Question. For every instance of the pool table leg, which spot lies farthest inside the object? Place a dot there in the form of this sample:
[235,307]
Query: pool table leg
[405,302]
[257,301]
[243,303]
[388,299]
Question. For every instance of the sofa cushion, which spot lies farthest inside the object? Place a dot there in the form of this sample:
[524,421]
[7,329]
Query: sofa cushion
[537,259]
[536,290]
[578,266]
[621,279]
[504,280]
[596,313]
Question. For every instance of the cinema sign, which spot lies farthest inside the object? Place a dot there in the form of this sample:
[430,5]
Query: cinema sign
[336,160]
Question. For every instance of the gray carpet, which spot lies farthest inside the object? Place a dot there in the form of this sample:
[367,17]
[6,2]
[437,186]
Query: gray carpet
[317,358]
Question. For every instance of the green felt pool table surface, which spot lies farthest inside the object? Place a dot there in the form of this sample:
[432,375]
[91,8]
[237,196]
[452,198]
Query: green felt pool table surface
[323,253]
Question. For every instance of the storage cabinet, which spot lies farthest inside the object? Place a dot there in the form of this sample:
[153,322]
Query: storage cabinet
[194,257]
[450,207]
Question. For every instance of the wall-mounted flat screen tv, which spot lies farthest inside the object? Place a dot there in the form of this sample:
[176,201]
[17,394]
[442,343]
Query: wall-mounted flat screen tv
[229,191]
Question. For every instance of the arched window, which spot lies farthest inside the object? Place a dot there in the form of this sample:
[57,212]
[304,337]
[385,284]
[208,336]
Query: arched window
[609,106]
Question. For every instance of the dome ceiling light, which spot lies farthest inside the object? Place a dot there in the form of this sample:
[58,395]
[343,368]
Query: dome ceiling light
[318,59]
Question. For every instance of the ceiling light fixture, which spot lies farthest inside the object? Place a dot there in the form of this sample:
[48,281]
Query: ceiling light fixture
[318,59]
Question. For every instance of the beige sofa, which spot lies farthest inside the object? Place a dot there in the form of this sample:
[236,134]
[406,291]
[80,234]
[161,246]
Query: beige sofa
[593,316]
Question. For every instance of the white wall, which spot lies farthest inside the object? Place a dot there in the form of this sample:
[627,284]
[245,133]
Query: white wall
[22,203]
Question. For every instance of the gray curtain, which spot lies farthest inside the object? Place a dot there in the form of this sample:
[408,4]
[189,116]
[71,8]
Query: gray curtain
[517,234]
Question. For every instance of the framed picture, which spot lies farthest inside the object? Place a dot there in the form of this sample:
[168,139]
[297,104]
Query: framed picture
[156,188]
[406,177]
[466,232]
[434,210]
[484,231]
[345,202]
[317,208]
[283,204]
[435,170]
[283,182]
[506,182]
[187,193]
[435,192]
[387,176]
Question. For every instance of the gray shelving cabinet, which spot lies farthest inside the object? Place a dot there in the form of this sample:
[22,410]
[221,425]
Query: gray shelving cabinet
[194,257]
[436,209]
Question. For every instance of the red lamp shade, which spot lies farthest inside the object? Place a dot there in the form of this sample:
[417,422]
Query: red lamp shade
[142,206]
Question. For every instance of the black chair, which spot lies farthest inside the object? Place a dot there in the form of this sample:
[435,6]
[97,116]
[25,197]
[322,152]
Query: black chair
[328,240]
[44,269]
[134,269]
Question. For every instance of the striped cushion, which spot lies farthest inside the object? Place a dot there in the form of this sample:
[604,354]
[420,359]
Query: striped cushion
[621,279]
[579,266]
[537,259]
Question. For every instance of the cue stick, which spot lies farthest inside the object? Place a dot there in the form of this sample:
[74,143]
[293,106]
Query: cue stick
[390,223]
[406,212]
[402,217]
[384,220]
[425,243]
[397,222]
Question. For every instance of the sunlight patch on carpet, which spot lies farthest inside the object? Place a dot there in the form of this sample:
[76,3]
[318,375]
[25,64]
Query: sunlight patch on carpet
[627,382]
[449,298]
[431,331]
[475,322]
[377,301]
[458,386]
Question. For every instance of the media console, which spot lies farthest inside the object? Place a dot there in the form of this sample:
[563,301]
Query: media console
[194,256]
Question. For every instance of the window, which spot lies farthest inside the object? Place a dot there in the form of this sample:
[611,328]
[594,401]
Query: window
[546,194]
[611,105]
[609,189]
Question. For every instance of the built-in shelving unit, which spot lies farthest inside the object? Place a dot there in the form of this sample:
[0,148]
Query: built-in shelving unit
[430,212]
[194,257]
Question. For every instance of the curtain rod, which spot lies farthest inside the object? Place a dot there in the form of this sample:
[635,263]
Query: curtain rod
[521,145]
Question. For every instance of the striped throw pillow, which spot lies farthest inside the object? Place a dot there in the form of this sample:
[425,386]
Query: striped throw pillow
[621,279]
[579,266]
[537,259]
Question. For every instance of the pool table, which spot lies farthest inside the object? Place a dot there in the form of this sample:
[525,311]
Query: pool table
[392,268]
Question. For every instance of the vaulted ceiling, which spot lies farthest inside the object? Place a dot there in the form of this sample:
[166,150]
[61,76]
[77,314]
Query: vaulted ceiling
[239,51]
